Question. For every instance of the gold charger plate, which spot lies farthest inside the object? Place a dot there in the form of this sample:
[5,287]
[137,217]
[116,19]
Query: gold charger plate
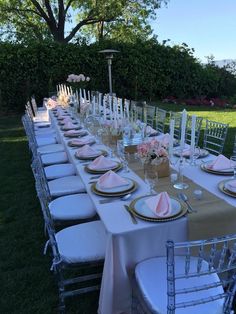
[222,188]
[82,134]
[102,152]
[222,173]
[77,145]
[183,211]
[113,194]
[62,123]
[76,127]
[203,153]
[118,167]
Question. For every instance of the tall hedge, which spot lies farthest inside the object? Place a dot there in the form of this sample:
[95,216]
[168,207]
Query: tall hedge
[144,70]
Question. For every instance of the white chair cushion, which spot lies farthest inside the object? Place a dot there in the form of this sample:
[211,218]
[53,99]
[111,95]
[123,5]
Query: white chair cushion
[65,186]
[54,158]
[58,171]
[42,141]
[151,277]
[82,243]
[45,132]
[52,148]
[42,125]
[72,207]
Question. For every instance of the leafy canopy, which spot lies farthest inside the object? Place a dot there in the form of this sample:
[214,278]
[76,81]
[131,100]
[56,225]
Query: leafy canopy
[67,20]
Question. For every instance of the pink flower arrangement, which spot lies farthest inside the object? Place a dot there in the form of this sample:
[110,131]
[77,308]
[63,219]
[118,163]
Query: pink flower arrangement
[151,150]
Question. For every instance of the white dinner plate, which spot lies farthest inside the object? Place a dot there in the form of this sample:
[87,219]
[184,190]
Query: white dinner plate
[205,167]
[141,208]
[115,165]
[118,189]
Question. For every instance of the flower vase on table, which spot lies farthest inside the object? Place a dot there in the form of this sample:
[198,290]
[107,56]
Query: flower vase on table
[154,156]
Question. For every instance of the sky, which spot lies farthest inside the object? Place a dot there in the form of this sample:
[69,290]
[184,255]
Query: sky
[208,26]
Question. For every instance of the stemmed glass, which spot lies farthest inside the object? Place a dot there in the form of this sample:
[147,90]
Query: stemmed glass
[122,154]
[195,155]
[151,178]
[180,184]
[233,165]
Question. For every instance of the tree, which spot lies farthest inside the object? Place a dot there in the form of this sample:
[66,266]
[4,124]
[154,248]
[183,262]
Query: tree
[45,18]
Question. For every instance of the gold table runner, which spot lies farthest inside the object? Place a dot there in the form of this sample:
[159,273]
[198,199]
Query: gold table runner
[215,217]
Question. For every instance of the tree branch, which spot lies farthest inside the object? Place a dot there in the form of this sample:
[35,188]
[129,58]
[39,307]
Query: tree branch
[68,5]
[40,10]
[50,13]
[87,21]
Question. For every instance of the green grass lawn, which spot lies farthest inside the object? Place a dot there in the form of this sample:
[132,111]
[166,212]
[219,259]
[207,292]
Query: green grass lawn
[27,285]
[210,113]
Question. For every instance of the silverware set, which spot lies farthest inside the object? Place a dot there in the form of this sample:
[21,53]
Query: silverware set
[183,197]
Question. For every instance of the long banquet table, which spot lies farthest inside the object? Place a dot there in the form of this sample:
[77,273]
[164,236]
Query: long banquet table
[128,243]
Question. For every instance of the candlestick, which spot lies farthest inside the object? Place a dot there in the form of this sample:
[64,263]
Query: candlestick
[171,141]
[183,127]
[193,127]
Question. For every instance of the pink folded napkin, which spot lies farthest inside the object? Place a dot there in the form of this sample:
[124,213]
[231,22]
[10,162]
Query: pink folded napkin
[164,139]
[51,103]
[231,185]
[220,163]
[83,141]
[102,163]
[75,132]
[70,125]
[160,204]
[186,152]
[87,151]
[111,180]
[66,119]
[150,130]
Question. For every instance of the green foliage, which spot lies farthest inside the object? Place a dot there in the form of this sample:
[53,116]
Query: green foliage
[66,20]
[142,70]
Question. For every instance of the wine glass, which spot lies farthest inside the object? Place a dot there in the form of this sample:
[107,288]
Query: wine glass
[233,165]
[195,155]
[151,177]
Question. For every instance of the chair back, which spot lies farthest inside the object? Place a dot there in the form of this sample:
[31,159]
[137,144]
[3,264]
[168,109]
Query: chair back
[197,130]
[34,106]
[214,136]
[160,120]
[136,111]
[234,148]
[200,259]
[177,116]
[149,115]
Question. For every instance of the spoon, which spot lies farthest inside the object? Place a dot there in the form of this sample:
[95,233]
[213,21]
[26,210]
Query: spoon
[184,198]
[122,198]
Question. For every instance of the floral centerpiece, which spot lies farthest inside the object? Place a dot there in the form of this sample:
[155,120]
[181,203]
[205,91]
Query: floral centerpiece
[80,81]
[73,78]
[153,154]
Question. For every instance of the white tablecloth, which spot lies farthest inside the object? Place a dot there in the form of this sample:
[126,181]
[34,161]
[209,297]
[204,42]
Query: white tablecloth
[127,243]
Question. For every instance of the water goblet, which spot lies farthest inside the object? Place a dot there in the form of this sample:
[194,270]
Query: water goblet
[151,178]
[195,154]
[180,184]
[233,165]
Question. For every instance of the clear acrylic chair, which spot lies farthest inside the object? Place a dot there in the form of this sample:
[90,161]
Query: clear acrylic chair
[195,277]
[177,116]
[197,130]
[78,249]
[136,110]
[214,136]
[160,120]
[234,147]
[149,115]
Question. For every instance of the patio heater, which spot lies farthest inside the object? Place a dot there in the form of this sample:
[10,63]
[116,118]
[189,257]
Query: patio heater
[109,56]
